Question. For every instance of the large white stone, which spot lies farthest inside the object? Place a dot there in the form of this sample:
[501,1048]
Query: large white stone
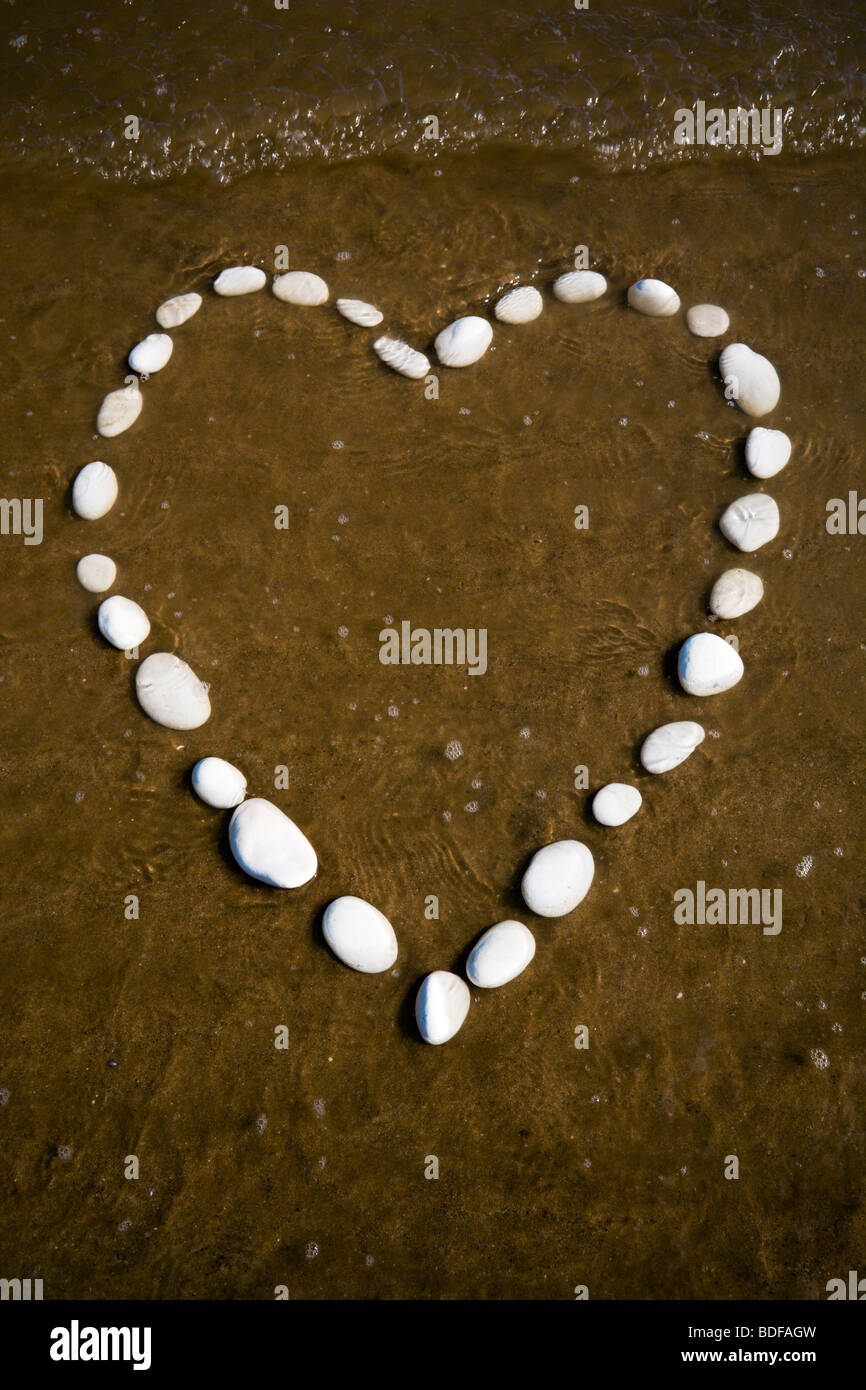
[707,664]
[270,847]
[736,592]
[558,878]
[520,305]
[464,341]
[218,783]
[122,622]
[176,311]
[441,1006]
[358,311]
[750,522]
[240,279]
[767,452]
[171,693]
[616,803]
[707,321]
[151,354]
[653,297]
[119,410]
[579,286]
[670,745]
[300,287]
[500,955]
[96,573]
[360,935]
[401,358]
[750,379]
[94,491]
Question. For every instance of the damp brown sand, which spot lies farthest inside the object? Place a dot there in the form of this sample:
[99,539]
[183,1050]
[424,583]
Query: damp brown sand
[557,1167]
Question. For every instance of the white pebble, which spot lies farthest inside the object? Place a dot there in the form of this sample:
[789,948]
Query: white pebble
[218,783]
[119,410]
[176,311]
[707,321]
[401,358]
[767,452]
[616,803]
[707,664]
[579,286]
[300,287]
[360,935]
[736,592]
[96,573]
[270,847]
[670,745]
[520,305]
[500,955]
[170,692]
[750,379]
[359,312]
[151,354]
[464,341]
[239,279]
[441,1006]
[94,491]
[750,522]
[122,622]
[558,878]
[653,297]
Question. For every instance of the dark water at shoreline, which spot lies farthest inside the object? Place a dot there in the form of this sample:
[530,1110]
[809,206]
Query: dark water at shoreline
[557,1167]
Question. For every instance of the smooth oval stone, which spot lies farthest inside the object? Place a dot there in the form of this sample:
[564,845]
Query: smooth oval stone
[218,783]
[360,935]
[750,522]
[360,312]
[750,379]
[151,354]
[270,847]
[653,297]
[300,287]
[579,286]
[96,573]
[240,279]
[670,745]
[558,878]
[94,491]
[119,410]
[171,693]
[616,803]
[520,305]
[401,358]
[122,622]
[464,341]
[500,955]
[707,321]
[736,592]
[176,311]
[441,1006]
[767,452]
[707,664]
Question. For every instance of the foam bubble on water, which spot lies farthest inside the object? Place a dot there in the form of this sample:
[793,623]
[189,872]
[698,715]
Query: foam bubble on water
[319,1106]
[311,1250]
[261,1124]
[820,1058]
[804,866]
[454,750]
[368,1260]
[64,1151]
[343,631]
[471,807]
[4,1095]
[393,711]
[525,732]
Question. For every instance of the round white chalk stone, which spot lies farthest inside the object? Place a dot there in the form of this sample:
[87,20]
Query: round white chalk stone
[654,298]
[359,312]
[750,522]
[119,410]
[750,379]
[579,286]
[176,311]
[96,573]
[520,305]
[122,622]
[500,955]
[736,592]
[767,452]
[616,803]
[670,745]
[270,847]
[170,692]
[464,341]
[401,358]
[239,279]
[94,491]
[558,878]
[707,321]
[441,1006]
[218,783]
[151,354]
[300,287]
[360,935]
[708,665]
